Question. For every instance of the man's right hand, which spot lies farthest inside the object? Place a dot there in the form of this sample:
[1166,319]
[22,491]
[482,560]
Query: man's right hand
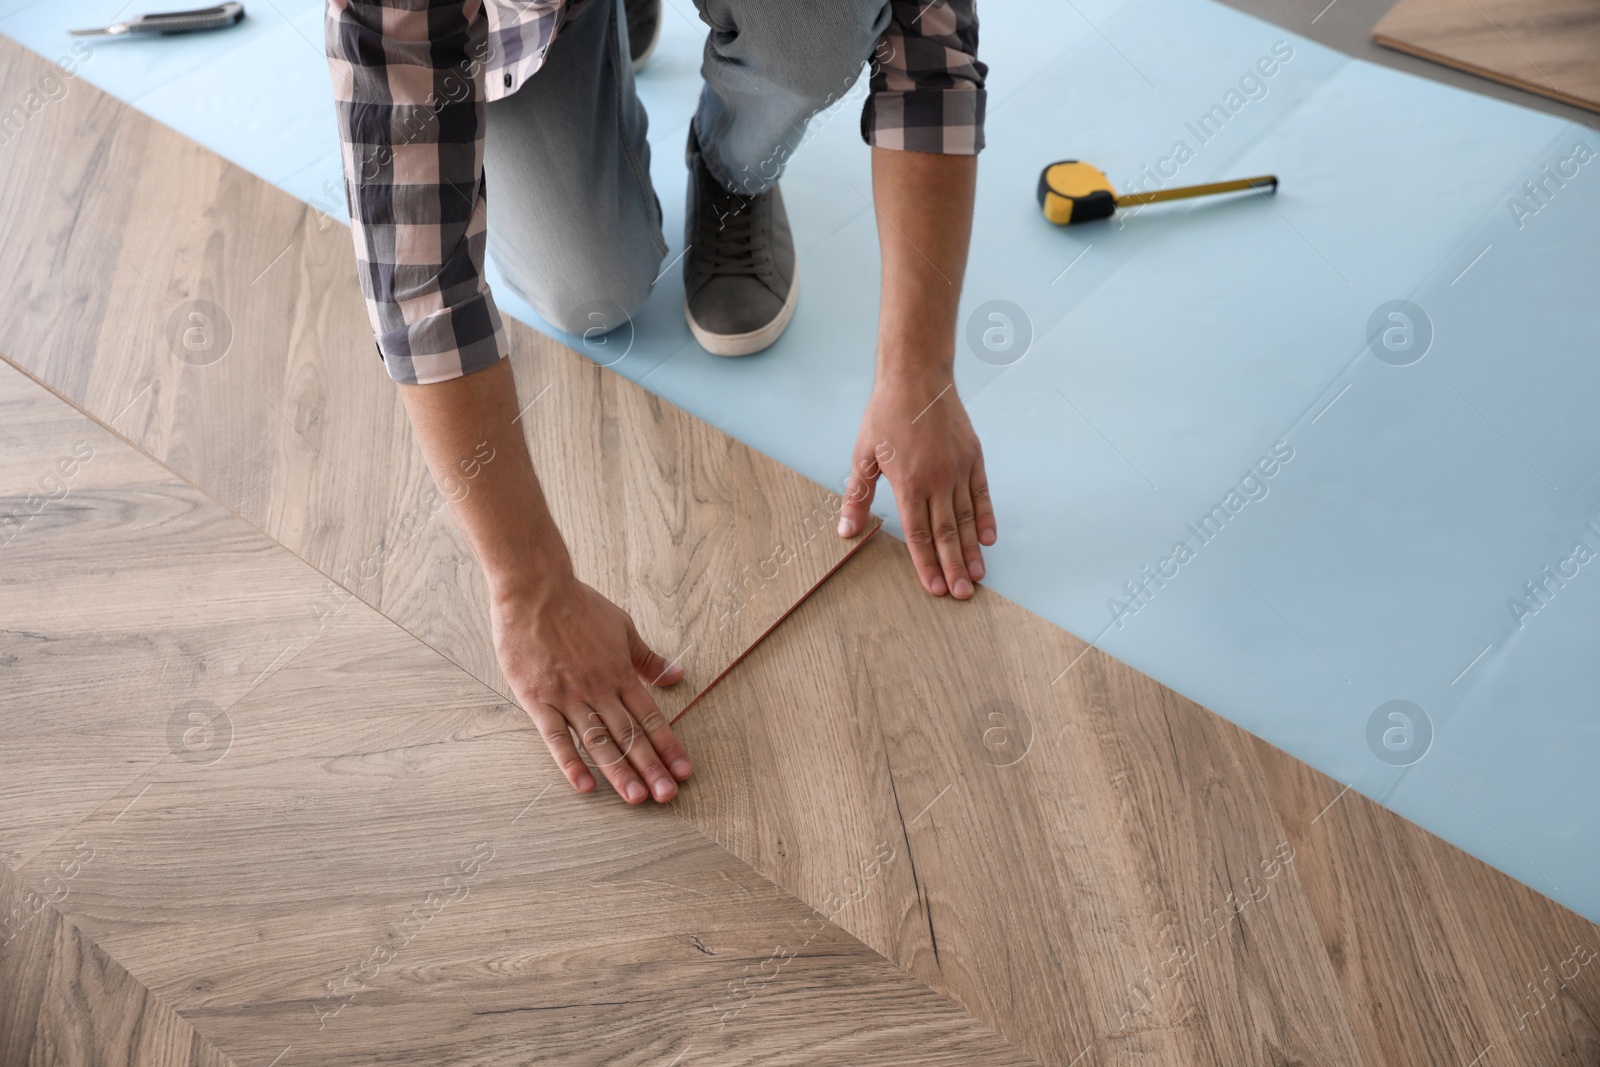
[578,666]
[573,658]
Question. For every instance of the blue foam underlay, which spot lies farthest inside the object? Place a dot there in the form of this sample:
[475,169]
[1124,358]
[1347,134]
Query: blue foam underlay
[1172,350]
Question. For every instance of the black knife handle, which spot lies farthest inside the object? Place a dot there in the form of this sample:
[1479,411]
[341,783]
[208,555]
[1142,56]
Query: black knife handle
[205,18]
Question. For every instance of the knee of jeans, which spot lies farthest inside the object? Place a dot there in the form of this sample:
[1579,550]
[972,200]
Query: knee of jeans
[816,84]
[839,40]
[584,301]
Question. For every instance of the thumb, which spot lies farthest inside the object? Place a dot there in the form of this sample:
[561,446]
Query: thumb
[651,666]
[859,490]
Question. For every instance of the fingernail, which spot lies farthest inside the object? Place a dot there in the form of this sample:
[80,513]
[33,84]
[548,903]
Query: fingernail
[847,527]
[635,792]
[963,588]
[663,790]
[681,769]
[939,586]
[585,783]
[977,571]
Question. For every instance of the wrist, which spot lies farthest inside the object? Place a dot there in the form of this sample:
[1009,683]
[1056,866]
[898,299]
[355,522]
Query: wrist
[911,379]
[534,576]
[917,344]
[914,365]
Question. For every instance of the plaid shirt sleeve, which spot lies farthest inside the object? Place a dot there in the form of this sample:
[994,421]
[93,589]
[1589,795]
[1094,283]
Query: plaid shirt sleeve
[408,88]
[926,92]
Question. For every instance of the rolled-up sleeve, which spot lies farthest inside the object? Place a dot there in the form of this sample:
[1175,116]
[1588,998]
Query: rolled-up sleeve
[408,88]
[926,92]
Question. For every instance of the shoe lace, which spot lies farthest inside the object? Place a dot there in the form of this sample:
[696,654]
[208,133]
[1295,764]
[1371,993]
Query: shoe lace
[727,239]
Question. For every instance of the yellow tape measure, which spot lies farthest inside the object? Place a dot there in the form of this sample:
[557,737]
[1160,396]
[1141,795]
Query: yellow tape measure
[1072,191]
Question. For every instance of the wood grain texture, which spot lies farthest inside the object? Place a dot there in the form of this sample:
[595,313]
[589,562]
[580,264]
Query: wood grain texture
[384,868]
[364,856]
[67,1003]
[1550,47]
[274,401]
[1096,866]
[128,601]
[1433,949]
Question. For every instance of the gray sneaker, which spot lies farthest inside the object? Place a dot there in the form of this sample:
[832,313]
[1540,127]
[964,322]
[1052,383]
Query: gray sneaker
[739,281]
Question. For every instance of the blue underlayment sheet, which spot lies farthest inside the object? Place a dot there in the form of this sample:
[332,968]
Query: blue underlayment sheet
[1327,462]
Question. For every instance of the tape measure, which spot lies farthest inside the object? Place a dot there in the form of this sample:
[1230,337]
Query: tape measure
[1072,191]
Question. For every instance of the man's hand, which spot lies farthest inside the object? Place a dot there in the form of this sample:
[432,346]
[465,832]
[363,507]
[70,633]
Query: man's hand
[577,664]
[573,658]
[918,435]
[915,430]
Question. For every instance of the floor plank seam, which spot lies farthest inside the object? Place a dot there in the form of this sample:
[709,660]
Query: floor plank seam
[856,547]
[75,934]
[485,692]
[264,533]
[947,998]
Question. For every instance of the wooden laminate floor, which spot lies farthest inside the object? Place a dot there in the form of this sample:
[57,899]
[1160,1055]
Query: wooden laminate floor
[1550,47]
[356,853]
[1095,865]
[216,323]
[254,752]
[66,1002]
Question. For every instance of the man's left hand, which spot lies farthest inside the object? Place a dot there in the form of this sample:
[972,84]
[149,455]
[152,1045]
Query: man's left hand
[917,434]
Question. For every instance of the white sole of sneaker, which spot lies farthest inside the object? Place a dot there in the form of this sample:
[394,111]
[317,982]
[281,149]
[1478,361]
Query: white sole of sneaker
[747,344]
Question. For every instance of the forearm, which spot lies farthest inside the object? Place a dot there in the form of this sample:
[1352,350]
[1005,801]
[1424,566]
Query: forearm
[472,439]
[924,204]
[926,447]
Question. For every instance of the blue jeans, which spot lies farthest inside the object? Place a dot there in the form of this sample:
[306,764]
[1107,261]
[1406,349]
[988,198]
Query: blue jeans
[574,223]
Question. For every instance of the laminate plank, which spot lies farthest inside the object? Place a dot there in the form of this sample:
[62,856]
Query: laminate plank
[1550,47]
[365,856]
[1096,866]
[383,868]
[67,1004]
[117,230]
[1432,949]
[129,602]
